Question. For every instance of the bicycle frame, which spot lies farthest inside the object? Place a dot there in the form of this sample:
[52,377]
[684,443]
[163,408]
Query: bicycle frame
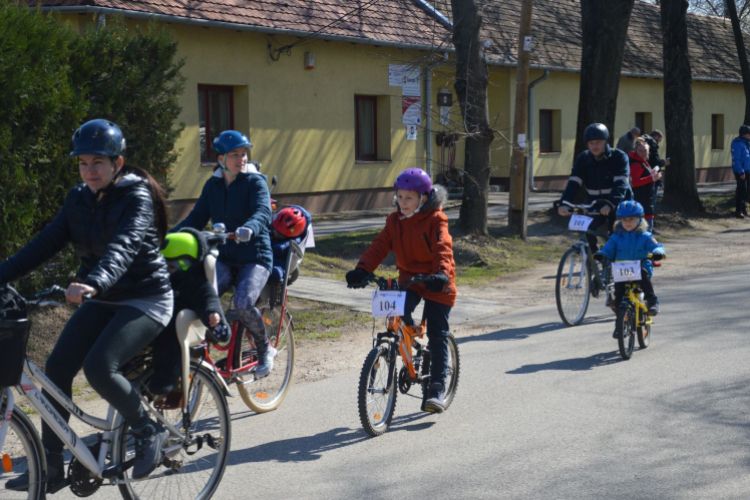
[404,336]
[53,418]
[631,297]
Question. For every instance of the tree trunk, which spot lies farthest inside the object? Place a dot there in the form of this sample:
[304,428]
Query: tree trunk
[604,27]
[472,78]
[680,187]
[742,54]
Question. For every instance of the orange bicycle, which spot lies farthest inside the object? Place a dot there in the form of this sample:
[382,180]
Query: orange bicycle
[377,382]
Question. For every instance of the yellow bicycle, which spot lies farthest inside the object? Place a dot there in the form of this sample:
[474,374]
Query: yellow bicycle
[633,319]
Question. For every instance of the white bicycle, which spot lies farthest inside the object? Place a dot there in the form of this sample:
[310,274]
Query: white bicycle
[198,420]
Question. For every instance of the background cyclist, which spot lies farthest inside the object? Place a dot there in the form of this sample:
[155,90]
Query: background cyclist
[237,196]
[115,221]
[604,173]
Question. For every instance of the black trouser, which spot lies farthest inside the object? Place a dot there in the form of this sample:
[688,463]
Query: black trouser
[597,224]
[101,338]
[743,188]
[646,286]
[438,330]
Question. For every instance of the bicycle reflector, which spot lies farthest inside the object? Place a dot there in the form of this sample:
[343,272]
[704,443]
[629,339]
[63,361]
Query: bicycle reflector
[7,463]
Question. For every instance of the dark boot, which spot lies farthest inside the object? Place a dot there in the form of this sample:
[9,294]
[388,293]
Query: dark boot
[653,306]
[149,441]
[435,398]
[56,478]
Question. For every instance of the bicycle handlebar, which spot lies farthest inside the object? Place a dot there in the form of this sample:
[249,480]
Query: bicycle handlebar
[40,299]
[389,284]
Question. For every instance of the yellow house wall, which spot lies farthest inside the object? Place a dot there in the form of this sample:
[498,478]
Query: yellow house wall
[716,98]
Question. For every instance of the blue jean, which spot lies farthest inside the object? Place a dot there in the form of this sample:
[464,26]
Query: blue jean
[437,333]
[249,280]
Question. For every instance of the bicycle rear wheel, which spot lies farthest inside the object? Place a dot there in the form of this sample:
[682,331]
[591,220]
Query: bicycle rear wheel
[266,394]
[376,399]
[626,333]
[194,469]
[21,453]
[572,287]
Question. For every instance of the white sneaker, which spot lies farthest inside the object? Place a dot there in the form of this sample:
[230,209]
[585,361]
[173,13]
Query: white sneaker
[265,363]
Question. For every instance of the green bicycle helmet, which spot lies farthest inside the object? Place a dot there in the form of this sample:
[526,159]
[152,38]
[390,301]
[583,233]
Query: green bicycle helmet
[183,249]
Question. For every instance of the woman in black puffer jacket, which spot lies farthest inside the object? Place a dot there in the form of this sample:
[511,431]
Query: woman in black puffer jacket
[115,221]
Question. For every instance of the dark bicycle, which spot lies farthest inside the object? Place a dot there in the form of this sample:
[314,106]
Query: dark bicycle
[579,276]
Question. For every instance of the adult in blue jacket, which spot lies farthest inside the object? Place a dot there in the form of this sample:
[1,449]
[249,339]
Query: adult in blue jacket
[604,173]
[741,170]
[237,195]
[632,241]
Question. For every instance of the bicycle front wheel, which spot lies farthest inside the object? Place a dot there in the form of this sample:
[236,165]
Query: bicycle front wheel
[21,454]
[572,287]
[267,393]
[376,398]
[451,379]
[192,467]
[625,327]
[644,336]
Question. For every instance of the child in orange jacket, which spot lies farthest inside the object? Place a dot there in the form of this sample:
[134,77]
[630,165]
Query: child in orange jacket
[417,233]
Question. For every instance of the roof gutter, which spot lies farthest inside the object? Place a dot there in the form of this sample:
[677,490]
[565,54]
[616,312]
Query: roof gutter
[629,74]
[204,23]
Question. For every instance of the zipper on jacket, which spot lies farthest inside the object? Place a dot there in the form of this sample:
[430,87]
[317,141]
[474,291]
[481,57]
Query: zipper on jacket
[427,240]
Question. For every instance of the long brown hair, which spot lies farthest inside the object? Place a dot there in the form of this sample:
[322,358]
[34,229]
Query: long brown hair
[157,197]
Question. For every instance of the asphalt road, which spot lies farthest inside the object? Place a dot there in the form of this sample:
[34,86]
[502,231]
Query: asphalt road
[542,411]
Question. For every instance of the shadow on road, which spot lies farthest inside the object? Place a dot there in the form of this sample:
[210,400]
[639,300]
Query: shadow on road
[308,448]
[575,364]
[527,331]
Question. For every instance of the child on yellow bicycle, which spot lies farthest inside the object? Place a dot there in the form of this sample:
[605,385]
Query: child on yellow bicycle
[631,240]
[417,233]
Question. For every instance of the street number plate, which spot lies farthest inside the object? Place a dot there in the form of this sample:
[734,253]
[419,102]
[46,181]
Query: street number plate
[629,270]
[580,223]
[388,303]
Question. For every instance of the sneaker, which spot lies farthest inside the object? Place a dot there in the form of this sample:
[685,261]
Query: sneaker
[265,362]
[739,215]
[653,306]
[149,441]
[614,334]
[160,386]
[435,398]
[56,478]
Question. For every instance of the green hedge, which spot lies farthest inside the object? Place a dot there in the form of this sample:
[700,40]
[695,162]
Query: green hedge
[51,81]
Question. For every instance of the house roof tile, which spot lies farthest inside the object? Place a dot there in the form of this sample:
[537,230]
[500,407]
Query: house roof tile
[556,28]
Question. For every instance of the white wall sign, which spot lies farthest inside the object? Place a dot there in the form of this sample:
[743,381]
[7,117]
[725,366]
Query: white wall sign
[411,85]
[521,140]
[411,109]
[527,43]
[411,132]
[445,115]
[395,75]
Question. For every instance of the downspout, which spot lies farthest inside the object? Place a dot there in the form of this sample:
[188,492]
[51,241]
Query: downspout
[530,133]
[428,111]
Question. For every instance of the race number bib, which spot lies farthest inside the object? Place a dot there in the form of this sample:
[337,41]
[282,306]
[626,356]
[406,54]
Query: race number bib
[388,303]
[629,270]
[580,223]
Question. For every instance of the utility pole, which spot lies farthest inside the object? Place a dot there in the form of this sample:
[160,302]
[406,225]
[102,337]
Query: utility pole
[519,175]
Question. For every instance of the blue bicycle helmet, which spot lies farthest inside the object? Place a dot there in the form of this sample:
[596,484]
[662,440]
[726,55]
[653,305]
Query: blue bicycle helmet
[596,132]
[229,140]
[98,137]
[629,208]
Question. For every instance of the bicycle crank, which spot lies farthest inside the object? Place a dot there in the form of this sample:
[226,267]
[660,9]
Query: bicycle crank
[404,381]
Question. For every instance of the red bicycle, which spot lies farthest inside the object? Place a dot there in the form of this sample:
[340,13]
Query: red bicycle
[238,366]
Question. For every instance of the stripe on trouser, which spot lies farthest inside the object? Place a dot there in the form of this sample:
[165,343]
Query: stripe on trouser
[598,191]
[578,180]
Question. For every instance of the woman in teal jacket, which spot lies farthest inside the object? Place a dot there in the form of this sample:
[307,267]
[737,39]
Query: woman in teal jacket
[631,240]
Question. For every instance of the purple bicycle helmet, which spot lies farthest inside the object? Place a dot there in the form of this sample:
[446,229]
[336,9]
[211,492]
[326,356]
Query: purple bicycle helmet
[414,179]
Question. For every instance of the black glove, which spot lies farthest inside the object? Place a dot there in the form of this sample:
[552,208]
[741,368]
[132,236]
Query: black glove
[437,282]
[219,334]
[657,256]
[599,256]
[356,277]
